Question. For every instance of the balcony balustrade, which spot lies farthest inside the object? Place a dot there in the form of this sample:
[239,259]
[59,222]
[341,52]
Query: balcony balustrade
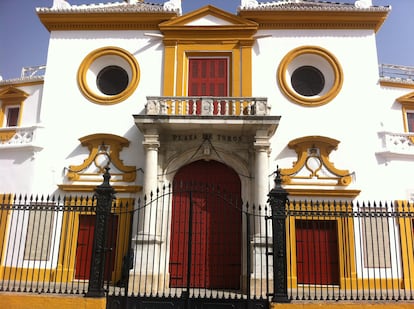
[18,137]
[396,144]
[207,106]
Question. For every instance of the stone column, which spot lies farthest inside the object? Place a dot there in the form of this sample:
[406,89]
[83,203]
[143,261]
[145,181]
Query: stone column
[261,190]
[262,147]
[147,242]
[151,144]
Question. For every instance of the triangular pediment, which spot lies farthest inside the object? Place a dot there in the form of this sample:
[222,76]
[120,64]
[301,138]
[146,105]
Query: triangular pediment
[12,92]
[408,98]
[208,16]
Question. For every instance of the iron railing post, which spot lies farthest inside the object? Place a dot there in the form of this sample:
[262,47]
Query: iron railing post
[104,196]
[277,200]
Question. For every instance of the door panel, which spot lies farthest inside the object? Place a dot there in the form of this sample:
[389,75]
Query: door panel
[317,252]
[208,77]
[84,246]
[206,228]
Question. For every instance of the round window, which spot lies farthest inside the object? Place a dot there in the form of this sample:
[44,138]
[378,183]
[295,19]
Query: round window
[108,75]
[310,76]
[112,80]
[308,81]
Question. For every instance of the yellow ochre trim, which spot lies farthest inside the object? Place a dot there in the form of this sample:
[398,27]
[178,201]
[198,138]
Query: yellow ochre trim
[108,51]
[315,100]
[11,96]
[233,39]
[65,271]
[21,83]
[346,245]
[104,20]
[91,188]
[396,84]
[94,142]
[325,146]
[50,301]
[320,19]
[406,225]
[6,200]
[407,103]
[343,305]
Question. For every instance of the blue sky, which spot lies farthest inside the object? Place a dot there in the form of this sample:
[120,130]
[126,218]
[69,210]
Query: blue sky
[24,40]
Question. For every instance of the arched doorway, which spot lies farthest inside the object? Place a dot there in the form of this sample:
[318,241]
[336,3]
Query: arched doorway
[206,227]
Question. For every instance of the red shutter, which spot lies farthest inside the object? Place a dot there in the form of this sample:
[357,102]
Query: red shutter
[208,77]
[410,121]
[12,116]
[317,257]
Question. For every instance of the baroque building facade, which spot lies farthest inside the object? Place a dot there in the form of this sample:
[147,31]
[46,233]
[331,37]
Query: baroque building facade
[225,99]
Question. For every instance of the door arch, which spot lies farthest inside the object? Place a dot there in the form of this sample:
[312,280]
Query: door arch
[206,227]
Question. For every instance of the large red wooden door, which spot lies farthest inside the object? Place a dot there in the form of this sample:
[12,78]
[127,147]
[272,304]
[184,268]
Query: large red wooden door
[85,245]
[317,252]
[206,227]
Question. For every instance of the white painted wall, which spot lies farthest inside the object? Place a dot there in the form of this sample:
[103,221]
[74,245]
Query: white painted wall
[354,117]
[68,115]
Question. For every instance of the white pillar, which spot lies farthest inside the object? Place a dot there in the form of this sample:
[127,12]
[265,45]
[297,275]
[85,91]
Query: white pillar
[151,144]
[261,190]
[147,242]
[261,146]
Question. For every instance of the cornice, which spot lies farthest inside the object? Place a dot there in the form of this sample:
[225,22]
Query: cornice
[91,188]
[316,19]
[25,81]
[104,20]
[237,30]
[397,83]
[345,193]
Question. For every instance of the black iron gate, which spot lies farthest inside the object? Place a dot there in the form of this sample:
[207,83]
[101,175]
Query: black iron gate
[194,246]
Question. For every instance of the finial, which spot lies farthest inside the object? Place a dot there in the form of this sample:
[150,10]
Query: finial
[278,178]
[363,4]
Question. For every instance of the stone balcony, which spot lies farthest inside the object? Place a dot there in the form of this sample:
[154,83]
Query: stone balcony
[19,137]
[207,106]
[241,115]
[396,146]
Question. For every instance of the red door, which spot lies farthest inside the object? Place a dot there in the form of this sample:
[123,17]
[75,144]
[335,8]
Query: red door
[85,245]
[317,252]
[206,227]
[208,77]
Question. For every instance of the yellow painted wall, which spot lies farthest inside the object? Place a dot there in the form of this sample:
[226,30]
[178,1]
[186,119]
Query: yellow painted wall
[49,301]
[347,305]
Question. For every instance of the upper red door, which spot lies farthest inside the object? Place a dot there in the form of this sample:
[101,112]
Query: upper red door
[206,227]
[208,77]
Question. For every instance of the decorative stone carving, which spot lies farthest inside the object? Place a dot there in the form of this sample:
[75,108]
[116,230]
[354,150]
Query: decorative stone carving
[173,5]
[249,3]
[60,4]
[363,4]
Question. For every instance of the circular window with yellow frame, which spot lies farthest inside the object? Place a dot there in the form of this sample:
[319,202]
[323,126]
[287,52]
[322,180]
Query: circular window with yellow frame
[310,76]
[108,75]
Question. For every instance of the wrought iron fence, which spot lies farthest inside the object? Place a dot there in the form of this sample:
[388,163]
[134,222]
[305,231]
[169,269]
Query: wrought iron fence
[350,251]
[333,250]
[38,252]
[195,242]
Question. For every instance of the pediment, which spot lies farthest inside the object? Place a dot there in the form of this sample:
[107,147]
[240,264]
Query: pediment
[408,98]
[208,16]
[12,93]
